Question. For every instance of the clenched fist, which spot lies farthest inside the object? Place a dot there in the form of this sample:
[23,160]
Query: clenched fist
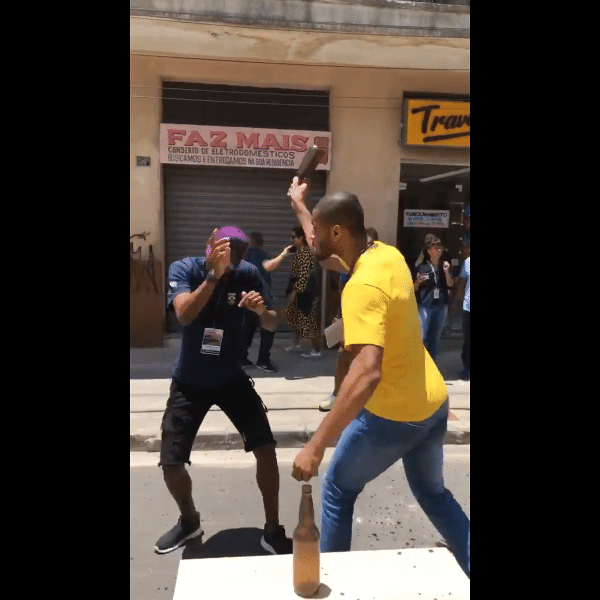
[306,464]
[297,193]
[253,301]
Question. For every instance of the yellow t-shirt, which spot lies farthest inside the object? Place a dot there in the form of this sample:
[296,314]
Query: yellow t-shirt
[379,308]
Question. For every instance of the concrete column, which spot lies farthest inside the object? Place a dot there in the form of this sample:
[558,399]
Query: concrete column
[365,126]
[145,208]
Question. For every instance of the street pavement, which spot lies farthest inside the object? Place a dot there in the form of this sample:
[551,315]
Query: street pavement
[292,396]
[386,515]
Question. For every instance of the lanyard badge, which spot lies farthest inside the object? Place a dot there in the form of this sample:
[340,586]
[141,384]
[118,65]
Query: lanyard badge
[211,342]
[436,291]
[213,337]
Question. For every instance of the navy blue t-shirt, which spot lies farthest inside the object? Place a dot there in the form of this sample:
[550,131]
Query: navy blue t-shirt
[426,289]
[221,312]
[256,256]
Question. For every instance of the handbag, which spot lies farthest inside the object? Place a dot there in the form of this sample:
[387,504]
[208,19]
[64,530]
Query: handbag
[305,299]
[304,302]
[290,286]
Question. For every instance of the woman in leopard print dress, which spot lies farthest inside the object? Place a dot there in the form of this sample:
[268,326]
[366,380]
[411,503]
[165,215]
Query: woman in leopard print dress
[300,313]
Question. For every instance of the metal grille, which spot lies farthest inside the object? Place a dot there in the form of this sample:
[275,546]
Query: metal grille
[200,199]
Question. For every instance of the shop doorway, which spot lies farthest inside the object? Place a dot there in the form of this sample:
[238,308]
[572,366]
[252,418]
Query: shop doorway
[432,200]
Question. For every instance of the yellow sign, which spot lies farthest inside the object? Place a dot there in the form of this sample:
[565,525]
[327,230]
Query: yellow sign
[437,123]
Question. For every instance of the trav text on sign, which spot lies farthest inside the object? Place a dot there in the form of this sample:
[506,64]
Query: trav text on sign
[240,146]
[437,123]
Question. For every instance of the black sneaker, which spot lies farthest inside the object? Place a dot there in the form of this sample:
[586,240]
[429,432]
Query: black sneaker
[277,543]
[246,363]
[267,366]
[177,536]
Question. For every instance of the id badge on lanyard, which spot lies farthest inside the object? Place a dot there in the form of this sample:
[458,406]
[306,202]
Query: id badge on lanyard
[213,338]
[436,291]
[212,341]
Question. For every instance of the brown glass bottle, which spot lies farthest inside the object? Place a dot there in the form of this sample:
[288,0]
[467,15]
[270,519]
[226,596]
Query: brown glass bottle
[306,548]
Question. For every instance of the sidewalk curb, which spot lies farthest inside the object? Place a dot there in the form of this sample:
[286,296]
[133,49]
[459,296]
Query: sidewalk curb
[289,438]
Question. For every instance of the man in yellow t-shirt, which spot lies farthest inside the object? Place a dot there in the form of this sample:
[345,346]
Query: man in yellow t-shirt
[393,403]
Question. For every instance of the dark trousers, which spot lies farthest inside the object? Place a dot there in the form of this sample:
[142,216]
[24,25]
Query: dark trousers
[466,351]
[251,322]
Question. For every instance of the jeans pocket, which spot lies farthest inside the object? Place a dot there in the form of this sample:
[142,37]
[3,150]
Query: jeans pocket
[417,426]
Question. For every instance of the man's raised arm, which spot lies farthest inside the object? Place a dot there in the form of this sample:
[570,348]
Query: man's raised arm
[188,305]
[297,195]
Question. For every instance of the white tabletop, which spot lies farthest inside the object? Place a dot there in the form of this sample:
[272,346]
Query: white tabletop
[412,574]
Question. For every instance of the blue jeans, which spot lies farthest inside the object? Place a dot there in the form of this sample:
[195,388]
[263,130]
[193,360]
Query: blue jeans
[368,447]
[432,321]
[466,351]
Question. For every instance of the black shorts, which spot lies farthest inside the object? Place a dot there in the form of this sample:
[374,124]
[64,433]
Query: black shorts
[187,406]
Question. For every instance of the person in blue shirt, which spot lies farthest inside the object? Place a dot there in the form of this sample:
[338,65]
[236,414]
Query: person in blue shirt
[260,259]
[210,296]
[465,282]
[466,238]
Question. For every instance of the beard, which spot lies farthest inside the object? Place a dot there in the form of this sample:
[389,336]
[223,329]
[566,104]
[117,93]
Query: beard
[324,251]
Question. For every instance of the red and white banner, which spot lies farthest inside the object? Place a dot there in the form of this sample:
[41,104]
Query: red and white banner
[240,146]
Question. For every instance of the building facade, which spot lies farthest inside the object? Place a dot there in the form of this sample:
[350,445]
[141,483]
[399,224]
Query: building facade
[224,105]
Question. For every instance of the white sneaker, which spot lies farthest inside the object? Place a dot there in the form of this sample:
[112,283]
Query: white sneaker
[313,354]
[292,349]
[327,403]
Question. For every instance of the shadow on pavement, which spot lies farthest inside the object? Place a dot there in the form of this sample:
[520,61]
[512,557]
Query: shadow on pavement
[244,541]
[289,366]
[150,371]
[296,367]
[157,363]
[324,591]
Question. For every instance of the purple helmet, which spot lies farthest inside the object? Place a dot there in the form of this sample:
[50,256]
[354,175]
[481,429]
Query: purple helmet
[231,232]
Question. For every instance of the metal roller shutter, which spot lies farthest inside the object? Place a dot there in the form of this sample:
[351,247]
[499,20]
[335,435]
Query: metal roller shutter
[200,199]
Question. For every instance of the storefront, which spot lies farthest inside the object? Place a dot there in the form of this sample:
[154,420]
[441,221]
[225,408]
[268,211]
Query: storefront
[435,191]
[224,166]
[223,114]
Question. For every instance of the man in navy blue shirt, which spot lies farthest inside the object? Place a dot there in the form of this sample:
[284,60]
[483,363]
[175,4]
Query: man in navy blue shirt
[210,297]
[260,259]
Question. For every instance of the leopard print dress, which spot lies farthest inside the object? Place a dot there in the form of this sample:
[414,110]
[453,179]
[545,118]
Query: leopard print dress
[302,265]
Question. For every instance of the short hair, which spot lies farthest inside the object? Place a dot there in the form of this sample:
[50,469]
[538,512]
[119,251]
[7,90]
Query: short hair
[256,238]
[299,232]
[372,233]
[342,208]
[434,242]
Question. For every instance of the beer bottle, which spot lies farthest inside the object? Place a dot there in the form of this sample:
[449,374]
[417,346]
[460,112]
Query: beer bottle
[306,548]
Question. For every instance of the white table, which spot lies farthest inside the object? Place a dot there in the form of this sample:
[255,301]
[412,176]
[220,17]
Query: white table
[413,574]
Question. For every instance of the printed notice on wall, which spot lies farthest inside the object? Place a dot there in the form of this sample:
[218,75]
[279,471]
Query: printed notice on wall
[240,147]
[427,218]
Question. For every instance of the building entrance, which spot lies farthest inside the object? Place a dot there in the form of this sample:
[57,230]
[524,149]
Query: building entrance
[434,200]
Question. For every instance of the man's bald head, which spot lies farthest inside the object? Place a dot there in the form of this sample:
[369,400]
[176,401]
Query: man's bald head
[343,209]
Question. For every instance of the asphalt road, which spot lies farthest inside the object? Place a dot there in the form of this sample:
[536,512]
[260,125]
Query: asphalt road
[386,515]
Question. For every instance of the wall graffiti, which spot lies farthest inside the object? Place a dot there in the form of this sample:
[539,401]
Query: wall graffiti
[142,271]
